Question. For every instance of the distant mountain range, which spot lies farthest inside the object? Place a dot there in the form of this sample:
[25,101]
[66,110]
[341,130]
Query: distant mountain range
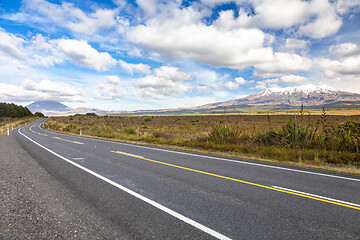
[53,108]
[292,97]
[271,99]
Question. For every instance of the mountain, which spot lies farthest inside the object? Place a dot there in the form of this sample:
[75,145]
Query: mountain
[310,96]
[53,108]
[290,97]
[48,106]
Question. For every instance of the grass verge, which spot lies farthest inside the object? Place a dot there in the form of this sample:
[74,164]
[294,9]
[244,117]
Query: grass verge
[321,141]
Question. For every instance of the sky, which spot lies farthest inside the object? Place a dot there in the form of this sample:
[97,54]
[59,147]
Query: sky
[154,54]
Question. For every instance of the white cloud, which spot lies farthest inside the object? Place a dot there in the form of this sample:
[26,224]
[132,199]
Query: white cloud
[286,79]
[148,6]
[267,83]
[65,15]
[43,51]
[337,69]
[293,79]
[206,76]
[347,65]
[132,68]
[110,88]
[30,90]
[55,51]
[294,44]
[279,13]
[233,85]
[317,18]
[321,27]
[94,22]
[283,63]
[82,54]
[11,45]
[202,88]
[185,36]
[165,81]
[344,50]
[345,6]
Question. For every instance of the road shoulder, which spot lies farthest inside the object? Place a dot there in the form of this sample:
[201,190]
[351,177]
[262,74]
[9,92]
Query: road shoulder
[34,205]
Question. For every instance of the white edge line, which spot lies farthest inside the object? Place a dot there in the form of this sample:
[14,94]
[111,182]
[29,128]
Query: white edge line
[318,196]
[145,199]
[217,158]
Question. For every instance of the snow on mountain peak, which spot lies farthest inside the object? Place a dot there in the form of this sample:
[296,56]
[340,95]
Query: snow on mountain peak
[310,88]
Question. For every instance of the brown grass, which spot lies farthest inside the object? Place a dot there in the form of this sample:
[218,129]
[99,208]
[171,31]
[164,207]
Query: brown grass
[192,132]
[7,122]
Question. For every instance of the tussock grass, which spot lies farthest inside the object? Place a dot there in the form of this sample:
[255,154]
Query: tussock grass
[297,137]
[7,122]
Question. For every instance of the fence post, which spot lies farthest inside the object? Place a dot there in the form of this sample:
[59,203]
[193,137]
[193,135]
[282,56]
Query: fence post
[8,132]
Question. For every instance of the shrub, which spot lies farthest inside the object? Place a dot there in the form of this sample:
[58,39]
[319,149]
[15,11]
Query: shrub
[266,137]
[68,127]
[223,132]
[163,135]
[344,137]
[39,114]
[129,130]
[293,134]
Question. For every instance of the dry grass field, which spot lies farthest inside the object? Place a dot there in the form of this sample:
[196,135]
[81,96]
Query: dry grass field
[314,138]
[12,123]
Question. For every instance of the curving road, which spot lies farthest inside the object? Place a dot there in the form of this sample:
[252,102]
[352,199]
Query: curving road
[155,193]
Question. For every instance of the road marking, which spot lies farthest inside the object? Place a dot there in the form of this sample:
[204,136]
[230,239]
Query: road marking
[141,197]
[318,196]
[31,128]
[353,205]
[215,158]
[36,132]
[128,154]
[67,140]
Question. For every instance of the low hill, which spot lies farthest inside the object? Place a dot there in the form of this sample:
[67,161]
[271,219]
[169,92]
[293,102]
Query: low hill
[13,110]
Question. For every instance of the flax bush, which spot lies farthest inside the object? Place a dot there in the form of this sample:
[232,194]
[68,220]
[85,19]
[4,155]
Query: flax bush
[223,132]
[294,134]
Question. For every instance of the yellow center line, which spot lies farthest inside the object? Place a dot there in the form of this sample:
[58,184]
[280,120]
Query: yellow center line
[36,132]
[67,140]
[31,128]
[241,181]
[42,134]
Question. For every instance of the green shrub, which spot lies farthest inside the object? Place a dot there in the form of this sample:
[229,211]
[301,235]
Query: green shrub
[69,127]
[223,132]
[129,130]
[343,137]
[293,134]
[266,137]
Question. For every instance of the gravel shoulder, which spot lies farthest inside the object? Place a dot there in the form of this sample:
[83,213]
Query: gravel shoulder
[34,205]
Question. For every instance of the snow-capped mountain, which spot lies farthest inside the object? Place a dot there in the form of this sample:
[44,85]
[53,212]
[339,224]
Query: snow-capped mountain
[308,95]
[305,89]
[275,98]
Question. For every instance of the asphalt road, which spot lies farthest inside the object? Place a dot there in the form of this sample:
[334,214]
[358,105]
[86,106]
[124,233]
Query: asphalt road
[154,193]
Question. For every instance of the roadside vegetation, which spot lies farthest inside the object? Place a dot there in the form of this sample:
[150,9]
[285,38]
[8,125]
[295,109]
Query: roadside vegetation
[297,137]
[12,123]
[13,116]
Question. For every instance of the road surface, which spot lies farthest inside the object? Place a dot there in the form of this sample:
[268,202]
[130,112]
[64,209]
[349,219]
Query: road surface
[155,193]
